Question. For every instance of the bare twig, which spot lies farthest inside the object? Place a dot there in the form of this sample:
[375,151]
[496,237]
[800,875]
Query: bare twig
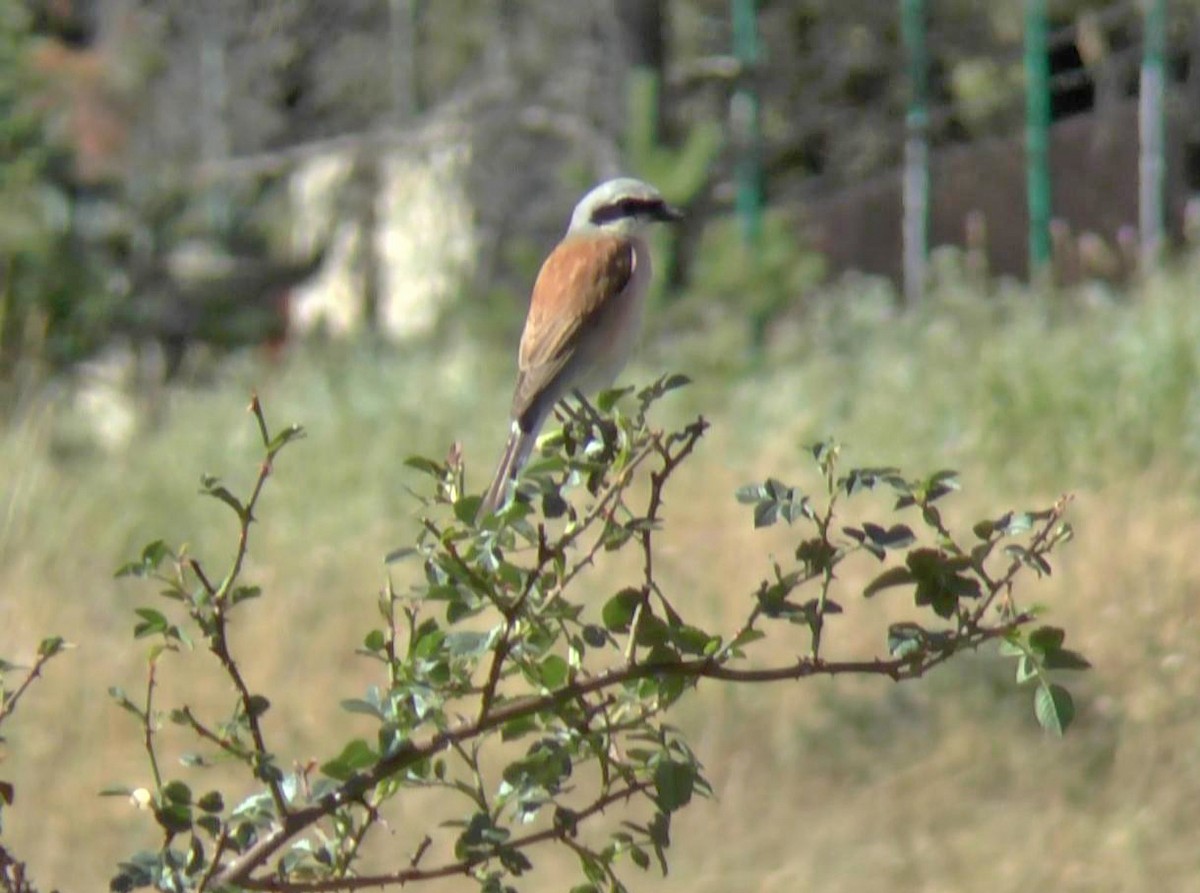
[215,863]
[209,735]
[1039,545]
[219,641]
[148,726]
[8,705]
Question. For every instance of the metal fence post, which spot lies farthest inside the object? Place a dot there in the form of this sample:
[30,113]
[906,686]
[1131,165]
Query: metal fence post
[746,125]
[916,153]
[1152,132]
[1037,133]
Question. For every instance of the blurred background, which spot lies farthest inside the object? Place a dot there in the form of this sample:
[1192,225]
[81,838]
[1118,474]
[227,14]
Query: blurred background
[949,234]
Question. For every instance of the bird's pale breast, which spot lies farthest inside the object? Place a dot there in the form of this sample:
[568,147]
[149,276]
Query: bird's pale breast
[609,344]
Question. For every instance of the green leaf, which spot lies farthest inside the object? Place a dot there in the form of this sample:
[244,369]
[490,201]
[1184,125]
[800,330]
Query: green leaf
[607,399]
[1013,524]
[766,513]
[177,792]
[895,537]
[1046,639]
[467,507]
[651,630]
[553,672]
[905,639]
[868,478]
[1065,659]
[640,857]
[355,756]
[746,637]
[257,705]
[176,818]
[375,640]
[1027,669]
[983,530]
[1011,648]
[673,784]
[690,639]
[212,802]
[594,635]
[244,593]
[211,486]
[152,622]
[518,727]
[516,862]
[1054,708]
[893,576]
[750,493]
[618,611]
[51,646]
[153,554]
[360,706]
[467,644]
[118,694]
[426,466]
[284,437]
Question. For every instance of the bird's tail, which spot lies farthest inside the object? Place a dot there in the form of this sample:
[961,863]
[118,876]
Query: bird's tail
[516,453]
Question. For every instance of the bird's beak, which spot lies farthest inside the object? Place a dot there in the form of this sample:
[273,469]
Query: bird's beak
[668,214]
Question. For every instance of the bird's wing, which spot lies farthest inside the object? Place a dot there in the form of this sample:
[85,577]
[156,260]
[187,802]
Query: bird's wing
[574,286]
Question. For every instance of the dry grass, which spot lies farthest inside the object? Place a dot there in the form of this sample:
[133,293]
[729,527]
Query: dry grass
[943,785]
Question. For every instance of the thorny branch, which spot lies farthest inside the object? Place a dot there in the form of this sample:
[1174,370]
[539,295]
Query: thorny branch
[898,669]
[212,615]
[450,869]
[593,692]
[8,705]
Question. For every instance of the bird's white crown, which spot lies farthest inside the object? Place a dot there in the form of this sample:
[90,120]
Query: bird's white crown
[623,206]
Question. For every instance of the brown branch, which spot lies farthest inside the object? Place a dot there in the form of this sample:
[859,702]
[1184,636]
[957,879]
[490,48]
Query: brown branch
[9,704]
[220,647]
[218,641]
[687,438]
[1039,545]
[218,851]
[897,669]
[148,728]
[411,875]
[615,488]
[14,877]
[207,734]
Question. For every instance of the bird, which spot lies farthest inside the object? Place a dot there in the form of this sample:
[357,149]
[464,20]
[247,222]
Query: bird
[585,313]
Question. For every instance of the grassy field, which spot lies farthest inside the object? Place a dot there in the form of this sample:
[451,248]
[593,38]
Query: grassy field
[942,785]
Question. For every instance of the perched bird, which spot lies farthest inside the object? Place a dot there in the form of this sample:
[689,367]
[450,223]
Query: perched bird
[585,313]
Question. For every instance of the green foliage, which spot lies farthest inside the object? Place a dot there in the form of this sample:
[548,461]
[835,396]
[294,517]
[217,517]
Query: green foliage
[49,287]
[680,173]
[760,284]
[530,709]
[14,876]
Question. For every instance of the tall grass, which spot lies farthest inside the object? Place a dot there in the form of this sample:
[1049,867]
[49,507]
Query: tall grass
[823,786]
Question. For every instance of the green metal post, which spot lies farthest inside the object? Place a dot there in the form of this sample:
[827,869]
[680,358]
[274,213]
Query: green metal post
[1037,132]
[916,152]
[1152,132]
[745,123]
